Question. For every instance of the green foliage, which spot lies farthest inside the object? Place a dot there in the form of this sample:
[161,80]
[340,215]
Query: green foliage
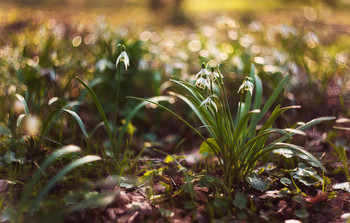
[38,63]
[240,200]
[4,131]
[257,183]
[341,152]
[235,140]
[306,175]
[27,206]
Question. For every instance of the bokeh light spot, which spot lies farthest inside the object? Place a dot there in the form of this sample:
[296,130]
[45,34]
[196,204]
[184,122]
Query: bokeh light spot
[76,41]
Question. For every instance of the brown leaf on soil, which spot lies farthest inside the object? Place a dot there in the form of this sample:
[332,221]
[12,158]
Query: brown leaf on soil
[178,216]
[159,188]
[201,217]
[338,204]
[3,185]
[119,211]
[121,199]
[320,197]
[129,217]
[111,213]
[281,206]
[271,194]
[108,184]
[201,194]
[144,208]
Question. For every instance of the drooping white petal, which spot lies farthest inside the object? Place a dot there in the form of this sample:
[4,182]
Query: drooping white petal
[205,72]
[118,59]
[126,60]
[215,75]
[240,88]
[208,101]
[202,82]
[202,72]
[198,74]
[249,86]
[123,57]
[204,102]
[246,86]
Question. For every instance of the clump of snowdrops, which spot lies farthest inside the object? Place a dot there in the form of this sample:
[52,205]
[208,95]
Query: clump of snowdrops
[238,139]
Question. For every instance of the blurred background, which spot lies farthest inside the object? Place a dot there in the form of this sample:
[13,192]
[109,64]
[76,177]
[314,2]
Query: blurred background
[45,44]
[160,12]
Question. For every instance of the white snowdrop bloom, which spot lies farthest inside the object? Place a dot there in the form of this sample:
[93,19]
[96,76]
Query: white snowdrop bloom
[255,26]
[247,85]
[208,102]
[203,72]
[311,39]
[203,82]
[213,75]
[143,64]
[102,64]
[286,31]
[123,57]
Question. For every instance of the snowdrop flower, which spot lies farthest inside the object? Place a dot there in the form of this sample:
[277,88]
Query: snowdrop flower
[203,72]
[123,57]
[247,85]
[203,82]
[143,64]
[213,75]
[208,102]
[102,64]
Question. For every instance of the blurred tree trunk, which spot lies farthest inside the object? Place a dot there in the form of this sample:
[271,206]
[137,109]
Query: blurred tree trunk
[156,4]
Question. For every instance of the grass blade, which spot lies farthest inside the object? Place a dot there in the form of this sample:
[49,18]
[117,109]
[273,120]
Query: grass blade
[79,121]
[20,119]
[101,112]
[24,103]
[4,130]
[133,113]
[47,163]
[55,114]
[86,159]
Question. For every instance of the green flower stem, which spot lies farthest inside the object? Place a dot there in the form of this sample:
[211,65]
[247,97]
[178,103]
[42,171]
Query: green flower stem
[119,71]
[227,110]
[297,188]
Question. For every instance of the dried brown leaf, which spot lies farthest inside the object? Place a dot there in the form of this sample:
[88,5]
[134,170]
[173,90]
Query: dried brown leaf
[201,194]
[281,206]
[320,197]
[3,185]
[121,199]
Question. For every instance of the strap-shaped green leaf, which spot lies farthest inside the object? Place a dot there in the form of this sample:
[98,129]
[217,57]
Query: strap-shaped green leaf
[4,130]
[268,104]
[59,176]
[20,119]
[43,167]
[101,112]
[243,122]
[79,121]
[53,115]
[134,112]
[195,108]
[24,103]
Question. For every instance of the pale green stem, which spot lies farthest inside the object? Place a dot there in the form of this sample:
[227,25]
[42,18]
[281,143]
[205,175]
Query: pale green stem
[119,71]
